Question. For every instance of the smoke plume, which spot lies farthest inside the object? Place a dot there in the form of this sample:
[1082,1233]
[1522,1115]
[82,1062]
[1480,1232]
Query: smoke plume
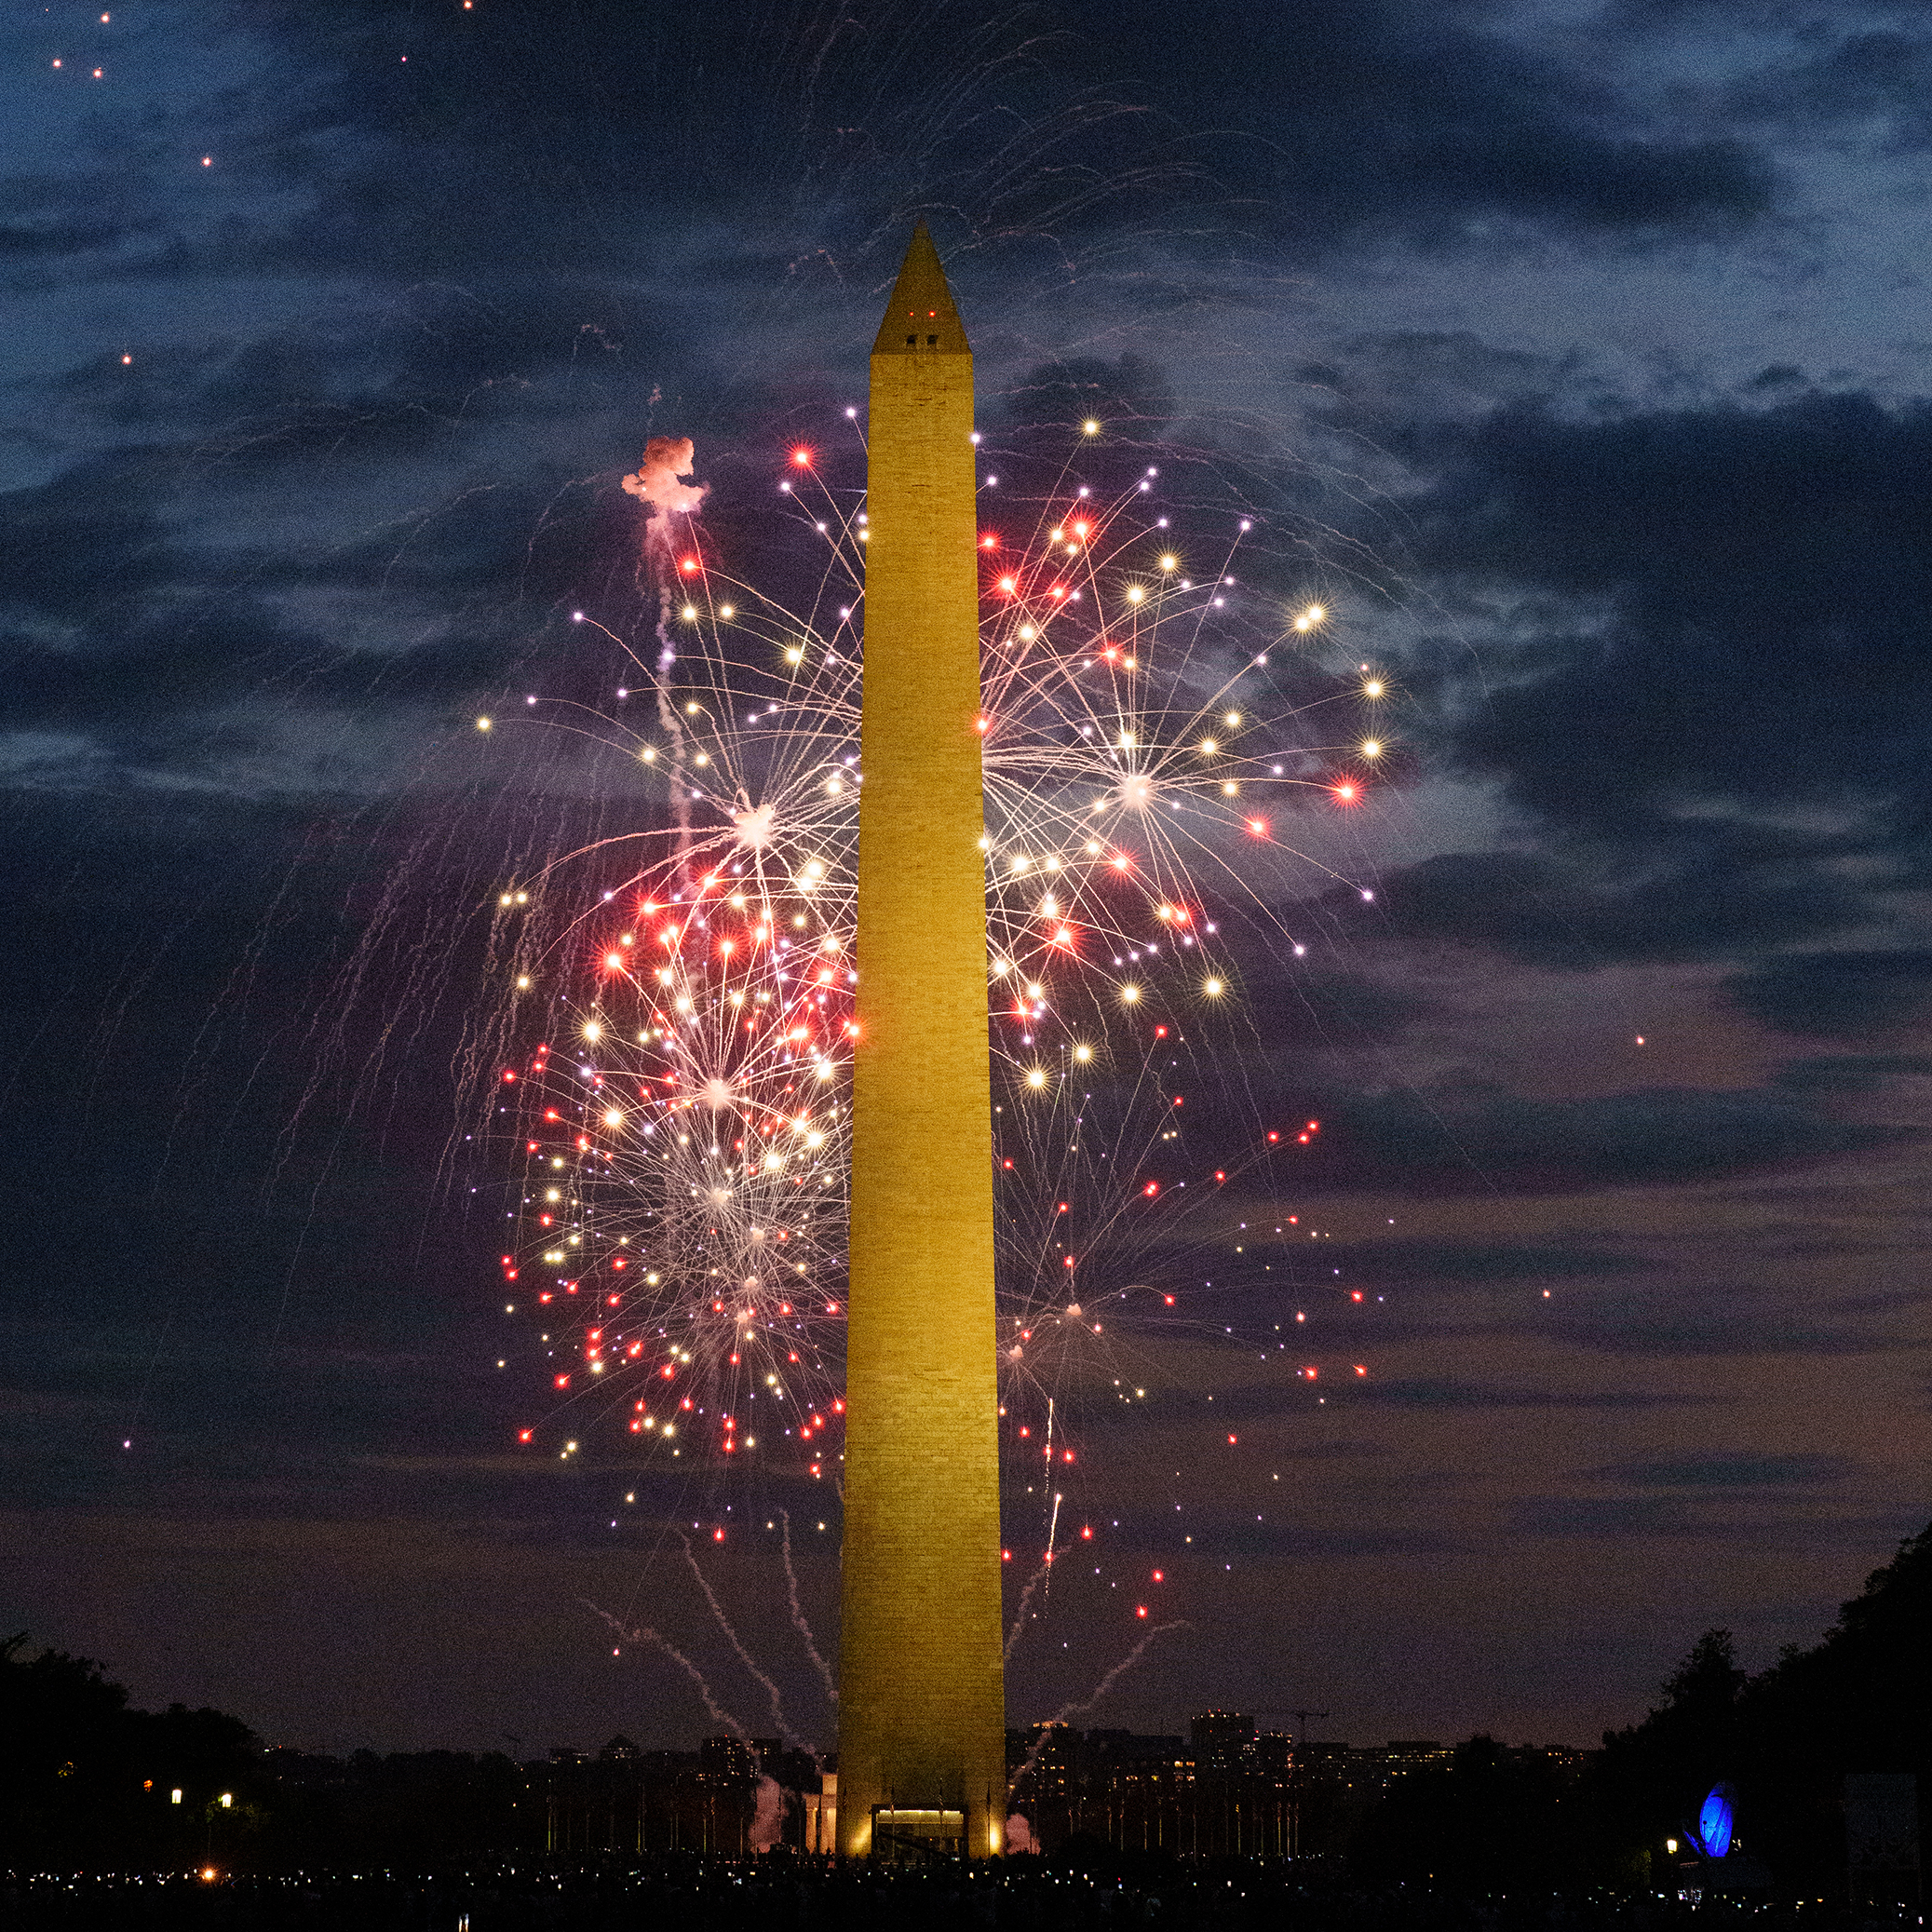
[768,1821]
[655,479]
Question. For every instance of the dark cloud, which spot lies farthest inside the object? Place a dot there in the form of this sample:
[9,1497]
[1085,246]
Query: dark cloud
[1450,1393]
[21,241]
[710,133]
[1307,1543]
[149,617]
[1838,995]
[1698,895]
[1704,686]
[1298,1008]
[1466,1135]
[1464,1264]
[1868,77]
[1721,1471]
[1052,125]
[1746,590]
[1618,1519]
[71,222]
[1850,1072]
[1433,122]
[1719,1319]
[1279,1531]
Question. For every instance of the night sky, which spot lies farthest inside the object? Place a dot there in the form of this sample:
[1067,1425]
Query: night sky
[1575,356]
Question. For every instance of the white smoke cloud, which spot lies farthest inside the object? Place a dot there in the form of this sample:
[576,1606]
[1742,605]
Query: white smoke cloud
[769,1821]
[655,480]
[1019,1835]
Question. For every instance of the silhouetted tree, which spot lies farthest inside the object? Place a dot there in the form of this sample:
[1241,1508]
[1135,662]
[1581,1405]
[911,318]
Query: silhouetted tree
[1648,1783]
[1860,1700]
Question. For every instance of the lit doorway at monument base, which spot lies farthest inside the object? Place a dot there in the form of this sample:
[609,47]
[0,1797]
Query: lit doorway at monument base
[912,1835]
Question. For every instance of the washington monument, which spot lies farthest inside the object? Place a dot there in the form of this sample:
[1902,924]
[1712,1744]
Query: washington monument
[922,1717]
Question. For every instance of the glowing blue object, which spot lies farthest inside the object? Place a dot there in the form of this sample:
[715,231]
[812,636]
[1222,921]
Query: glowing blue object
[1713,1831]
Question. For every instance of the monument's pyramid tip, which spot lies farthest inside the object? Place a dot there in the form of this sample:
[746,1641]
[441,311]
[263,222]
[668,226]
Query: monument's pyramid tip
[922,314]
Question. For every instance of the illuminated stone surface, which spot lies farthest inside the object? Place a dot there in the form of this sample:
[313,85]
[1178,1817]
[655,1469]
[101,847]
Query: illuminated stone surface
[921,1720]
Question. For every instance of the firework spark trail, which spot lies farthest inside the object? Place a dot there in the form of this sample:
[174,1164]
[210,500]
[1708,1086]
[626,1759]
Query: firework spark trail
[798,1614]
[673,726]
[1053,1520]
[1080,1706]
[1026,1597]
[745,1656]
[644,1634]
[657,482]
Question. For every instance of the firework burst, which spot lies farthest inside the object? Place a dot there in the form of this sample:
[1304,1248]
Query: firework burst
[1149,722]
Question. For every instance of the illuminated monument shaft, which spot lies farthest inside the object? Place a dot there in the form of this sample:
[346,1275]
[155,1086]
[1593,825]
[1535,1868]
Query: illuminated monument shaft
[922,1718]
